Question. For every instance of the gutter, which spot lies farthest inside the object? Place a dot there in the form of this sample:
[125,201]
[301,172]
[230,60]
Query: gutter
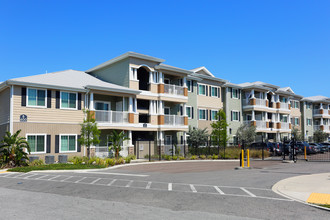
[38,85]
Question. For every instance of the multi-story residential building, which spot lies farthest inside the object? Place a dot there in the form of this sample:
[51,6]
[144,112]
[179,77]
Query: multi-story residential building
[316,115]
[268,108]
[204,98]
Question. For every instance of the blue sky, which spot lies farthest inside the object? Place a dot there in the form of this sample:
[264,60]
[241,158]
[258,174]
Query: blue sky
[286,43]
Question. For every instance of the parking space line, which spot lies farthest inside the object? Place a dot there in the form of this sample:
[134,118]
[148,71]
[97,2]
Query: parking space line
[129,183]
[118,174]
[248,192]
[66,178]
[41,177]
[7,174]
[24,174]
[114,180]
[193,188]
[53,177]
[219,190]
[30,176]
[80,180]
[169,186]
[148,185]
[95,180]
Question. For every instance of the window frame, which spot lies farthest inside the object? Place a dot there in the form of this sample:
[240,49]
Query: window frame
[216,111]
[190,107]
[232,92]
[76,143]
[199,84]
[35,106]
[216,89]
[234,111]
[45,142]
[103,102]
[202,109]
[189,87]
[309,120]
[296,118]
[169,110]
[61,107]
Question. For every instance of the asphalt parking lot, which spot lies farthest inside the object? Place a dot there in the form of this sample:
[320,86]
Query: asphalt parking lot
[181,190]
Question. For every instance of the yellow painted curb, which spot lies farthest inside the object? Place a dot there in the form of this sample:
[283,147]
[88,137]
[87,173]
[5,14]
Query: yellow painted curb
[319,198]
[4,172]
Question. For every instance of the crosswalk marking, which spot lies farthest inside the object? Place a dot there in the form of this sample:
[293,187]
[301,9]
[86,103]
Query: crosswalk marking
[219,190]
[248,192]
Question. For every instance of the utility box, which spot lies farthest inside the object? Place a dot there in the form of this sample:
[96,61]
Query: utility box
[62,158]
[32,158]
[49,159]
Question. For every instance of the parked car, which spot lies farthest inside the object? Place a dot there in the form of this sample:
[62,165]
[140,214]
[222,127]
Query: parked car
[318,148]
[309,149]
[275,148]
[324,148]
[326,144]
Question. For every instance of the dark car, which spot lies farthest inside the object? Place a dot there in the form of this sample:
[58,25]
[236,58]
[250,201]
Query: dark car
[309,149]
[275,148]
[326,144]
[319,148]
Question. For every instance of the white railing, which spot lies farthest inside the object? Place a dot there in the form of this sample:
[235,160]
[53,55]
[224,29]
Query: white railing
[316,111]
[284,105]
[173,120]
[259,102]
[261,124]
[101,151]
[317,127]
[285,125]
[113,117]
[173,89]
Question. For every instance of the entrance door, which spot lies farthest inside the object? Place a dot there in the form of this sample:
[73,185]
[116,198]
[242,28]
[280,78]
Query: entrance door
[168,139]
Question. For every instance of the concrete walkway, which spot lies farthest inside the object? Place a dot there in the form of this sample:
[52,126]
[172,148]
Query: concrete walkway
[300,188]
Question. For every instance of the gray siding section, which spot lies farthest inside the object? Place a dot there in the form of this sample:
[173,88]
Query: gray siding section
[192,101]
[3,129]
[307,114]
[230,105]
[117,73]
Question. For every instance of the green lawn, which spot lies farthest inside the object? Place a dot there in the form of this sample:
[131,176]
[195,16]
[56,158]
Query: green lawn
[60,166]
[327,206]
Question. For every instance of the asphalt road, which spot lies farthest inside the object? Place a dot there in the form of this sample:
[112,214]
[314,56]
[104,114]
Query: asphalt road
[182,190]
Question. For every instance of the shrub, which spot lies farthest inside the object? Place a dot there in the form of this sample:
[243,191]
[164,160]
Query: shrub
[175,157]
[132,156]
[214,157]
[127,160]
[167,157]
[203,157]
[37,163]
[120,161]
[76,160]
[193,157]
[181,158]
[91,160]
[99,161]
[110,162]
[209,157]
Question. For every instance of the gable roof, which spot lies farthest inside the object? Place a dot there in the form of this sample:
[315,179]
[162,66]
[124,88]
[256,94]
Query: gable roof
[202,69]
[72,80]
[318,98]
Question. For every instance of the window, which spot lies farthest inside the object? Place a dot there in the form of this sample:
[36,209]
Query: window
[188,110]
[37,143]
[235,93]
[167,110]
[309,121]
[214,91]
[283,118]
[295,104]
[235,116]
[102,106]
[296,121]
[202,89]
[308,105]
[283,99]
[235,140]
[189,85]
[214,115]
[202,114]
[68,100]
[68,143]
[36,97]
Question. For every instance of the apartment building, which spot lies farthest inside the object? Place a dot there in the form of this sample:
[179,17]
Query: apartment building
[315,115]
[204,98]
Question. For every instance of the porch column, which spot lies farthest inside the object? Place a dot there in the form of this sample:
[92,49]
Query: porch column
[161,108]
[161,77]
[135,105]
[184,109]
[252,94]
[273,98]
[130,138]
[321,105]
[150,77]
[185,82]
[253,116]
[130,106]
[91,102]
[321,121]
[150,108]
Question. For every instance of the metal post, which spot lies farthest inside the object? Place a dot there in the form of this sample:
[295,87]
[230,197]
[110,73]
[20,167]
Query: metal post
[137,150]
[305,153]
[242,153]
[262,144]
[159,149]
[248,157]
[149,150]
[184,148]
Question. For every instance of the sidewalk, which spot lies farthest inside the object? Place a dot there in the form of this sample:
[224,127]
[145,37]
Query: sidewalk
[300,188]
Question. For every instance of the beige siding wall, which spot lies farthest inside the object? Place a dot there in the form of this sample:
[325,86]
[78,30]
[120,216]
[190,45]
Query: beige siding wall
[205,124]
[46,115]
[49,129]
[4,106]
[295,112]
[207,101]
[134,84]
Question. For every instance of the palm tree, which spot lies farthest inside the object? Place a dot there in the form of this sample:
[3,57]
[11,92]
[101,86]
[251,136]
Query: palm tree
[116,139]
[12,149]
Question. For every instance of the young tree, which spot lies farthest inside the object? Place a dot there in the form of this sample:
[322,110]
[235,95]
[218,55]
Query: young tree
[320,136]
[246,133]
[90,133]
[299,136]
[116,140]
[12,149]
[219,129]
[197,137]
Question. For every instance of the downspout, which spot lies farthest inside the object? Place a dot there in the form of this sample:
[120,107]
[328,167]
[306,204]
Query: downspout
[11,110]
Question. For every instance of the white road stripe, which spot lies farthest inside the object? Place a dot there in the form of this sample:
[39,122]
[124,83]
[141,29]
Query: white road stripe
[21,175]
[66,178]
[114,180]
[169,186]
[7,174]
[248,192]
[129,183]
[193,188]
[41,177]
[80,180]
[219,190]
[118,174]
[95,180]
[53,177]
[30,176]
[148,185]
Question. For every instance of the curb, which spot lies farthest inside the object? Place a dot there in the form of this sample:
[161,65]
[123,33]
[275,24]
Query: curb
[276,190]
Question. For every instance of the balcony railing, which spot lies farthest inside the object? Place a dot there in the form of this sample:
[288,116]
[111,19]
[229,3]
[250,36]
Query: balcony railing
[284,105]
[318,127]
[175,120]
[318,111]
[285,125]
[112,117]
[259,124]
[259,102]
[173,89]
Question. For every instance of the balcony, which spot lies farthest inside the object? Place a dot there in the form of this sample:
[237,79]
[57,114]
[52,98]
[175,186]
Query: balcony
[284,105]
[325,128]
[285,125]
[321,112]
[260,125]
[173,89]
[174,120]
[112,117]
[257,102]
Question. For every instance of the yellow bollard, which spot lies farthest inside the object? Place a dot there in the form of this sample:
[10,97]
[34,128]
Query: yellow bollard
[305,152]
[248,157]
[243,158]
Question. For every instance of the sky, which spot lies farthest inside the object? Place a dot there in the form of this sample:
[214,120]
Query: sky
[285,43]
